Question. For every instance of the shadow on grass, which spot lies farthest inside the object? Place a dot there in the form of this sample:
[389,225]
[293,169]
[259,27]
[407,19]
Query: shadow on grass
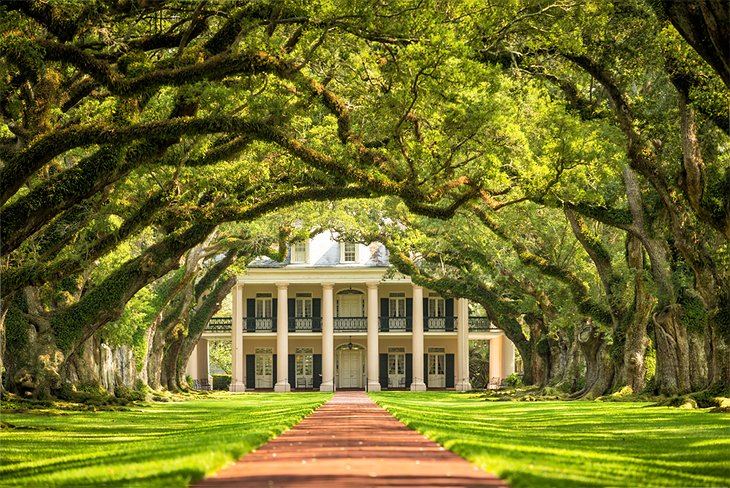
[169,444]
[574,443]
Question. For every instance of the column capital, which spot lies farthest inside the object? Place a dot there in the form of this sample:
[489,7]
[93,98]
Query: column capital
[328,286]
[282,286]
[417,287]
[372,285]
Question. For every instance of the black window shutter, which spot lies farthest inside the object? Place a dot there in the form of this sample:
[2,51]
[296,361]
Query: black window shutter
[449,314]
[292,371]
[290,308]
[384,314]
[409,369]
[276,376]
[425,369]
[317,315]
[250,371]
[317,376]
[274,312]
[409,314]
[383,370]
[425,314]
[449,371]
[251,315]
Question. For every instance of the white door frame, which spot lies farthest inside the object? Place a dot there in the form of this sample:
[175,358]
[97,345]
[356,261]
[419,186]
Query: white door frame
[352,381]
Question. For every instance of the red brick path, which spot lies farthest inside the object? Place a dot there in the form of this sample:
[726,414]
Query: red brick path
[350,441]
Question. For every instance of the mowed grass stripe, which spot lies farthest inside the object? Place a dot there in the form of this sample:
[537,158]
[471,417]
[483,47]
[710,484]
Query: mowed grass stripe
[573,443]
[166,444]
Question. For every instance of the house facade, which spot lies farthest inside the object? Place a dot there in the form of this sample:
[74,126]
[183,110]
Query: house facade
[336,316]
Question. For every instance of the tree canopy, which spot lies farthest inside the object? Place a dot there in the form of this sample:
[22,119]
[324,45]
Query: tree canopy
[578,151]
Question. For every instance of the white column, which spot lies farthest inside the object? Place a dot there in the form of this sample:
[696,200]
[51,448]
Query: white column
[462,346]
[203,365]
[418,380]
[495,358]
[508,357]
[237,378]
[373,363]
[192,366]
[282,338]
[328,338]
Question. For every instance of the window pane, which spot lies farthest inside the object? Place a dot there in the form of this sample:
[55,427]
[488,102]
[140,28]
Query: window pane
[350,252]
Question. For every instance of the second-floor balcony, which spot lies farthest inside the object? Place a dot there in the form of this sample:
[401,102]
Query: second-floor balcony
[351,324]
[305,324]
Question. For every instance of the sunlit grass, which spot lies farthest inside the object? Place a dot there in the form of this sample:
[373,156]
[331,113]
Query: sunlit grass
[569,444]
[165,444]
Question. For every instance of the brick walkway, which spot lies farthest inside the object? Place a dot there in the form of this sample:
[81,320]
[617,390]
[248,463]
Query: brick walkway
[350,441]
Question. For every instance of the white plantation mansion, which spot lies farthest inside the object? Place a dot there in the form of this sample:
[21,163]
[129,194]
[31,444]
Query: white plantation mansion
[335,316]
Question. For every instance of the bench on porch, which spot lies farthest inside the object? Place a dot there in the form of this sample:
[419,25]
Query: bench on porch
[304,383]
[400,383]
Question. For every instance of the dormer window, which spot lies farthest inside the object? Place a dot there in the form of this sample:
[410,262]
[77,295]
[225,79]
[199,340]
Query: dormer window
[299,252]
[349,252]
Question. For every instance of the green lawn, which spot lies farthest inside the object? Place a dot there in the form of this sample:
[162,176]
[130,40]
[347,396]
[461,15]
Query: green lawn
[566,444]
[162,444]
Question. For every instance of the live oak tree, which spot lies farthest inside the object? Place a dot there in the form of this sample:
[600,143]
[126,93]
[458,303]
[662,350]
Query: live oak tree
[182,116]
[144,142]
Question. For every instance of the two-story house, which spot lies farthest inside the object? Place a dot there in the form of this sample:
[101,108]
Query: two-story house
[335,316]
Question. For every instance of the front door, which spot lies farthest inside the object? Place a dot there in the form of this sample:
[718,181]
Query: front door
[350,369]
[264,368]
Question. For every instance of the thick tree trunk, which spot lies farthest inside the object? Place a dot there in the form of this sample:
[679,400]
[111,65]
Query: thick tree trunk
[31,359]
[599,366]
[698,360]
[719,355]
[633,370]
[672,352]
[208,305]
[3,314]
[539,352]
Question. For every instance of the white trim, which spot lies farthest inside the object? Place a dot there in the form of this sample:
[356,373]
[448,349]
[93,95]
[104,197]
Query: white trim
[294,258]
[334,275]
[356,258]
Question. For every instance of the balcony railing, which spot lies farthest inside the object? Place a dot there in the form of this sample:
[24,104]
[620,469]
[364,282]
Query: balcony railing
[440,324]
[305,324]
[351,324]
[219,324]
[260,324]
[480,324]
[396,324]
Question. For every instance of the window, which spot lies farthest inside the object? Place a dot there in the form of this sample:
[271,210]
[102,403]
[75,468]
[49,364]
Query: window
[303,305]
[304,361]
[396,360]
[299,252]
[436,362]
[264,305]
[349,252]
[397,305]
[264,364]
[436,307]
